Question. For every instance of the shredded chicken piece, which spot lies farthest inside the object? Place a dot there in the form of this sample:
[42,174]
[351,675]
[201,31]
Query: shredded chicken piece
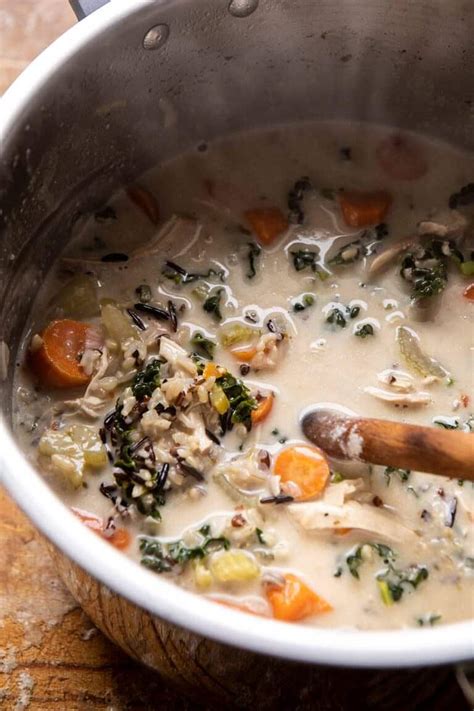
[89,403]
[320,516]
[244,474]
[171,351]
[405,399]
[338,494]
[445,223]
[266,356]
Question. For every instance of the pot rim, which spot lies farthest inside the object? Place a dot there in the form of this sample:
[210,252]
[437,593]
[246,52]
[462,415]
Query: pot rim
[338,647]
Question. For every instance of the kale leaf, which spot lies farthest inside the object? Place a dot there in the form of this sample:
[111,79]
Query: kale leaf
[203,345]
[212,305]
[146,380]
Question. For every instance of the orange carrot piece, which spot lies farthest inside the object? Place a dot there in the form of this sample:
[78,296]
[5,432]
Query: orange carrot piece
[295,600]
[465,400]
[244,354]
[264,408]
[468,292]
[267,223]
[145,201]
[56,361]
[360,209]
[120,538]
[304,465]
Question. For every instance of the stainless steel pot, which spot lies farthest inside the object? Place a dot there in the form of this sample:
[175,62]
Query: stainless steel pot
[133,84]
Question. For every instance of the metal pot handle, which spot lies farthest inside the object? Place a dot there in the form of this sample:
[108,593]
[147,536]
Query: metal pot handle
[82,8]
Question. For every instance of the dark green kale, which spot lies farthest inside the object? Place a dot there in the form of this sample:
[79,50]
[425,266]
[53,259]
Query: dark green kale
[240,400]
[252,256]
[179,275]
[304,258]
[307,300]
[355,559]
[393,582]
[364,330]
[212,304]
[163,557]
[336,316]
[339,314]
[147,380]
[403,474]
[295,200]
[455,423]
[428,620]
[203,345]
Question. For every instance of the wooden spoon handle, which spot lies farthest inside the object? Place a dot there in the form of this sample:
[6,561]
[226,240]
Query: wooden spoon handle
[396,444]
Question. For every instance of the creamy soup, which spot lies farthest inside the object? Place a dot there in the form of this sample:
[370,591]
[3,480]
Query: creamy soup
[192,319]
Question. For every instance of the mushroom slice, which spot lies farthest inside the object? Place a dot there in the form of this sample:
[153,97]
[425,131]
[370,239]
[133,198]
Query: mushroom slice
[405,399]
[445,223]
[320,516]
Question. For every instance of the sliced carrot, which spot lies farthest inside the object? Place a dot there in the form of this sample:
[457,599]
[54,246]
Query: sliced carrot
[145,201]
[120,538]
[304,465]
[360,209]
[264,408]
[211,370]
[468,292]
[294,600]
[267,223]
[56,361]
[244,354]
[401,157]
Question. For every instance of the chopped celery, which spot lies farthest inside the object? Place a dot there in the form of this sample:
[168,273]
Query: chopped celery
[234,566]
[78,298]
[117,324]
[385,592]
[236,333]
[415,357]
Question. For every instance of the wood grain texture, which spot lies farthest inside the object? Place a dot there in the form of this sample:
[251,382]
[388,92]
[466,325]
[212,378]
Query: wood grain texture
[52,657]
[397,444]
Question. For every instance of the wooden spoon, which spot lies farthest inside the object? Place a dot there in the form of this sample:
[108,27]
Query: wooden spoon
[396,444]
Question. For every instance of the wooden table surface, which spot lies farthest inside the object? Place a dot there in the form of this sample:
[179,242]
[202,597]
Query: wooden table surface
[52,658]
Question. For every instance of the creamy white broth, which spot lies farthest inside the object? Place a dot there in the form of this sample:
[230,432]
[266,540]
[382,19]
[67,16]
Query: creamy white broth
[317,362]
